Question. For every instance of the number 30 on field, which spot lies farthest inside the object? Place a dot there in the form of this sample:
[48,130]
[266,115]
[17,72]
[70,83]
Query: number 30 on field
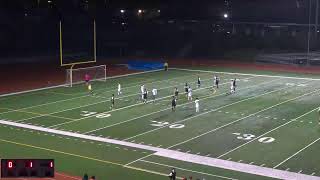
[94,114]
[164,123]
[248,137]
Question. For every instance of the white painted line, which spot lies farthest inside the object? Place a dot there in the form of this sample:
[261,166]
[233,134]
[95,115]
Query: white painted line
[220,127]
[133,119]
[254,139]
[204,113]
[244,74]
[297,152]
[300,171]
[287,169]
[251,163]
[183,169]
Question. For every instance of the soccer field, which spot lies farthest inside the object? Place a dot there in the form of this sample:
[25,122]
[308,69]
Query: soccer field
[267,129]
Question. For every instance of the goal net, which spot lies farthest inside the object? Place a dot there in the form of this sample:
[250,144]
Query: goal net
[77,76]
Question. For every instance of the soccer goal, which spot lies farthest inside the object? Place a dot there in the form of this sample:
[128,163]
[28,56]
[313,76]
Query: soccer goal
[77,76]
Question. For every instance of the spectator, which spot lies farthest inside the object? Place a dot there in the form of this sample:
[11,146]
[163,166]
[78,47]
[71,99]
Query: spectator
[85,177]
[93,178]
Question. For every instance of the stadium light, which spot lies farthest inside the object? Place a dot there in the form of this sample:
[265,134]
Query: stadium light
[122,11]
[139,11]
[225,15]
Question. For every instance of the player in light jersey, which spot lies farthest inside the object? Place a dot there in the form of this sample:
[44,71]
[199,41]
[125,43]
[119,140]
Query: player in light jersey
[197,105]
[154,94]
[119,89]
[90,89]
[142,91]
[176,92]
[232,87]
[189,94]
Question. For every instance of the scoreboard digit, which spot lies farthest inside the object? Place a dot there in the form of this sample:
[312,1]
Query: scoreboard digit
[36,168]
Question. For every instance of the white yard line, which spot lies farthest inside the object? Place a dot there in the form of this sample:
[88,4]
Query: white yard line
[245,74]
[223,126]
[197,159]
[104,102]
[183,169]
[204,113]
[86,94]
[280,126]
[129,120]
[63,85]
[118,109]
[293,155]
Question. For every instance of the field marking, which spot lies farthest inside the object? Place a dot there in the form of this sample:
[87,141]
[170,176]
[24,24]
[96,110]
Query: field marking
[36,113]
[246,74]
[125,107]
[86,95]
[265,109]
[103,102]
[203,173]
[64,85]
[209,97]
[207,112]
[208,161]
[254,139]
[80,156]
[296,153]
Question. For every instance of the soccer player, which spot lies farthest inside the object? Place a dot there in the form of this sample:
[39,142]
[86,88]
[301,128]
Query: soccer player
[112,101]
[234,84]
[173,174]
[199,82]
[166,66]
[90,89]
[119,89]
[154,94]
[186,88]
[142,91]
[216,80]
[176,92]
[145,95]
[189,94]
[232,87]
[87,79]
[173,103]
[197,105]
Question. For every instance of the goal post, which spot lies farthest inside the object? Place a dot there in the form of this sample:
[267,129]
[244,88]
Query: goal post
[77,75]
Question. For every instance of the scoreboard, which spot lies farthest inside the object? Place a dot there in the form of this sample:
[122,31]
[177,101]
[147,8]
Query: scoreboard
[35,168]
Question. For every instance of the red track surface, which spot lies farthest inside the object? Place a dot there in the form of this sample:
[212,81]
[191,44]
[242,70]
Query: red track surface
[16,78]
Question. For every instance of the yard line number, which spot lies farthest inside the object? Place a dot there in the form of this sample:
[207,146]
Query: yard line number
[94,114]
[248,137]
[164,123]
[294,84]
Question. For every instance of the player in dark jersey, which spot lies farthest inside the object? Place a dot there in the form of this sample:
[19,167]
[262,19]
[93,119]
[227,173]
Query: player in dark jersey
[199,82]
[173,103]
[176,92]
[234,85]
[145,96]
[173,174]
[112,101]
[186,88]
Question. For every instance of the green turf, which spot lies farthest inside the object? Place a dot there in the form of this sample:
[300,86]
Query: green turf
[267,122]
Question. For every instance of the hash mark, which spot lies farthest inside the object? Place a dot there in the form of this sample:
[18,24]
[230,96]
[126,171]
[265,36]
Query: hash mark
[262,165]
[300,171]
[313,173]
[287,169]
[229,159]
[251,162]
